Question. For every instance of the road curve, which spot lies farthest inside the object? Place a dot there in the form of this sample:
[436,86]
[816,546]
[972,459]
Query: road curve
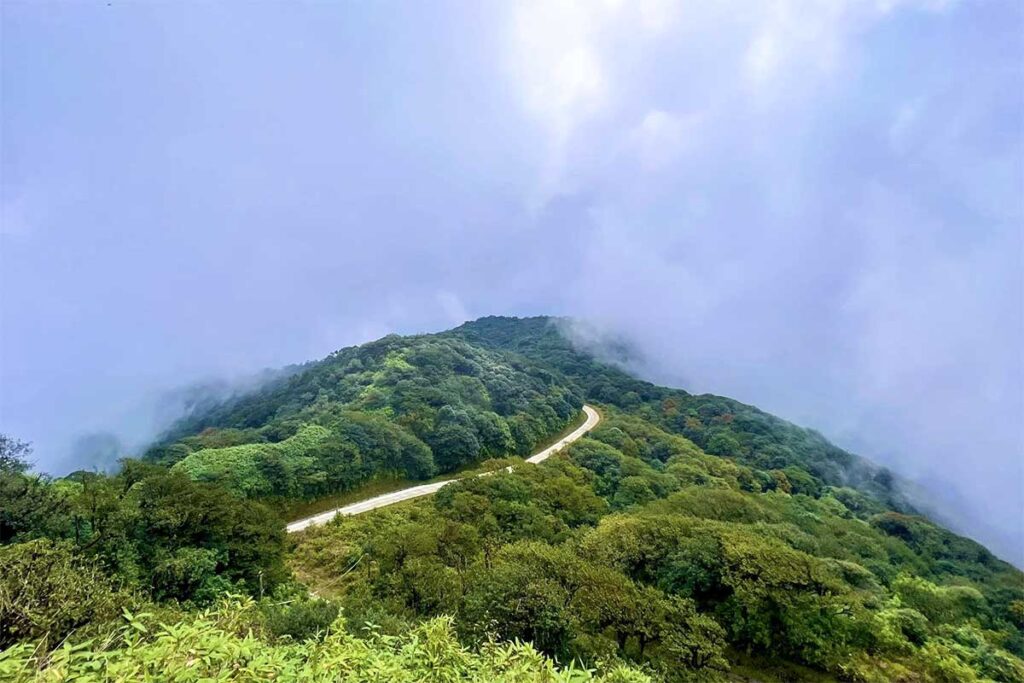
[426,489]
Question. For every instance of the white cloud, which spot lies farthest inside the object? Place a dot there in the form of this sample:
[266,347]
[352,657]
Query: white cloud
[575,65]
[902,127]
[801,39]
[454,309]
[661,137]
[15,218]
[559,59]
[791,259]
[582,71]
[555,66]
[657,15]
[555,61]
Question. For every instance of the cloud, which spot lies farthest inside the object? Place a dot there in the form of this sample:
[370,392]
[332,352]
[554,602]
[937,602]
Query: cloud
[661,137]
[453,308]
[813,207]
[824,226]
[14,218]
[554,62]
[807,40]
[556,56]
[902,130]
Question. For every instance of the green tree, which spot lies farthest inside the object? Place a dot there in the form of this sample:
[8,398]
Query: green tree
[29,504]
[725,444]
[14,455]
[454,441]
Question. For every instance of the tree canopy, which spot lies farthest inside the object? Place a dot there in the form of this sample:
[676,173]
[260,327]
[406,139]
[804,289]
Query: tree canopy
[685,538]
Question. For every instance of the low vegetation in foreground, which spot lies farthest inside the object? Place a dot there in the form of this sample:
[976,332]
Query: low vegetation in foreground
[222,644]
[686,538]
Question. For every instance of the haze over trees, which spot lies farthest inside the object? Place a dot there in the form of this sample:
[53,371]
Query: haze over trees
[685,538]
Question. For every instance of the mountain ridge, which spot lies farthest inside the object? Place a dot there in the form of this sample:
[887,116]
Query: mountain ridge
[687,537]
[547,341]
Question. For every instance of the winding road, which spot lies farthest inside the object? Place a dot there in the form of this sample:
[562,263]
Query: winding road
[426,489]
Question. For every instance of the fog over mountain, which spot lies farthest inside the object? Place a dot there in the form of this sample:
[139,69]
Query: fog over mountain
[815,208]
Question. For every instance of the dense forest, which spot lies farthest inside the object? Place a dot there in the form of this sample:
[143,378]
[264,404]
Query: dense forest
[412,407]
[685,538]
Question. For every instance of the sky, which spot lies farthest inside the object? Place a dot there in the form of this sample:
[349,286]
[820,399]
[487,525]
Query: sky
[816,207]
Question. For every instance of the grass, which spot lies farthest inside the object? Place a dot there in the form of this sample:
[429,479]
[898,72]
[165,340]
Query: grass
[293,510]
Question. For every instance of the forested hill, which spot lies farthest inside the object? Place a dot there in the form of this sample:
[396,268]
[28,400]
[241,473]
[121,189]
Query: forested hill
[429,404]
[684,538]
[405,406]
[720,426]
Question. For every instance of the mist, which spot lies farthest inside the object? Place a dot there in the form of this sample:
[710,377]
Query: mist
[815,208]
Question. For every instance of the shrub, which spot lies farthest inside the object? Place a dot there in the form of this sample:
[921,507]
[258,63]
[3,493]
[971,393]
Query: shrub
[221,645]
[46,591]
[301,619]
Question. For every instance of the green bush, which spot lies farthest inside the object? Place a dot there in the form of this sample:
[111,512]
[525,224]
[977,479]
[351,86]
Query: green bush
[300,619]
[221,645]
[260,469]
[46,592]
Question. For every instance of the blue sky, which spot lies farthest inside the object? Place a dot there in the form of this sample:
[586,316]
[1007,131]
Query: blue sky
[815,207]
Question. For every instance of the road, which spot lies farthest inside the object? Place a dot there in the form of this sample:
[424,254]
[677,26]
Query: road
[426,489]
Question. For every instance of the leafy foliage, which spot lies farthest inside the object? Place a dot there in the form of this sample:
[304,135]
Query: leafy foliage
[684,536]
[46,592]
[27,502]
[408,407]
[713,555]
[160,532]
[300,618]
[720,426]
[220,645]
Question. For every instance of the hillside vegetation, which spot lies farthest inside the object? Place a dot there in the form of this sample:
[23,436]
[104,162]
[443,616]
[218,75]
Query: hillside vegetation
[409,407]
[221,644]
[685,538]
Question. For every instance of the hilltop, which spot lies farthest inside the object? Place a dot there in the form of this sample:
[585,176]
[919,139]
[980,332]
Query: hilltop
[409,407]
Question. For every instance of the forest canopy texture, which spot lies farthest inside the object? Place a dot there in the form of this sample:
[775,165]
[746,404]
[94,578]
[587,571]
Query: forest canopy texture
[684,538]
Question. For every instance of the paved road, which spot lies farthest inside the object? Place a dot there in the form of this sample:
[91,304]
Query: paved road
[426,489]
